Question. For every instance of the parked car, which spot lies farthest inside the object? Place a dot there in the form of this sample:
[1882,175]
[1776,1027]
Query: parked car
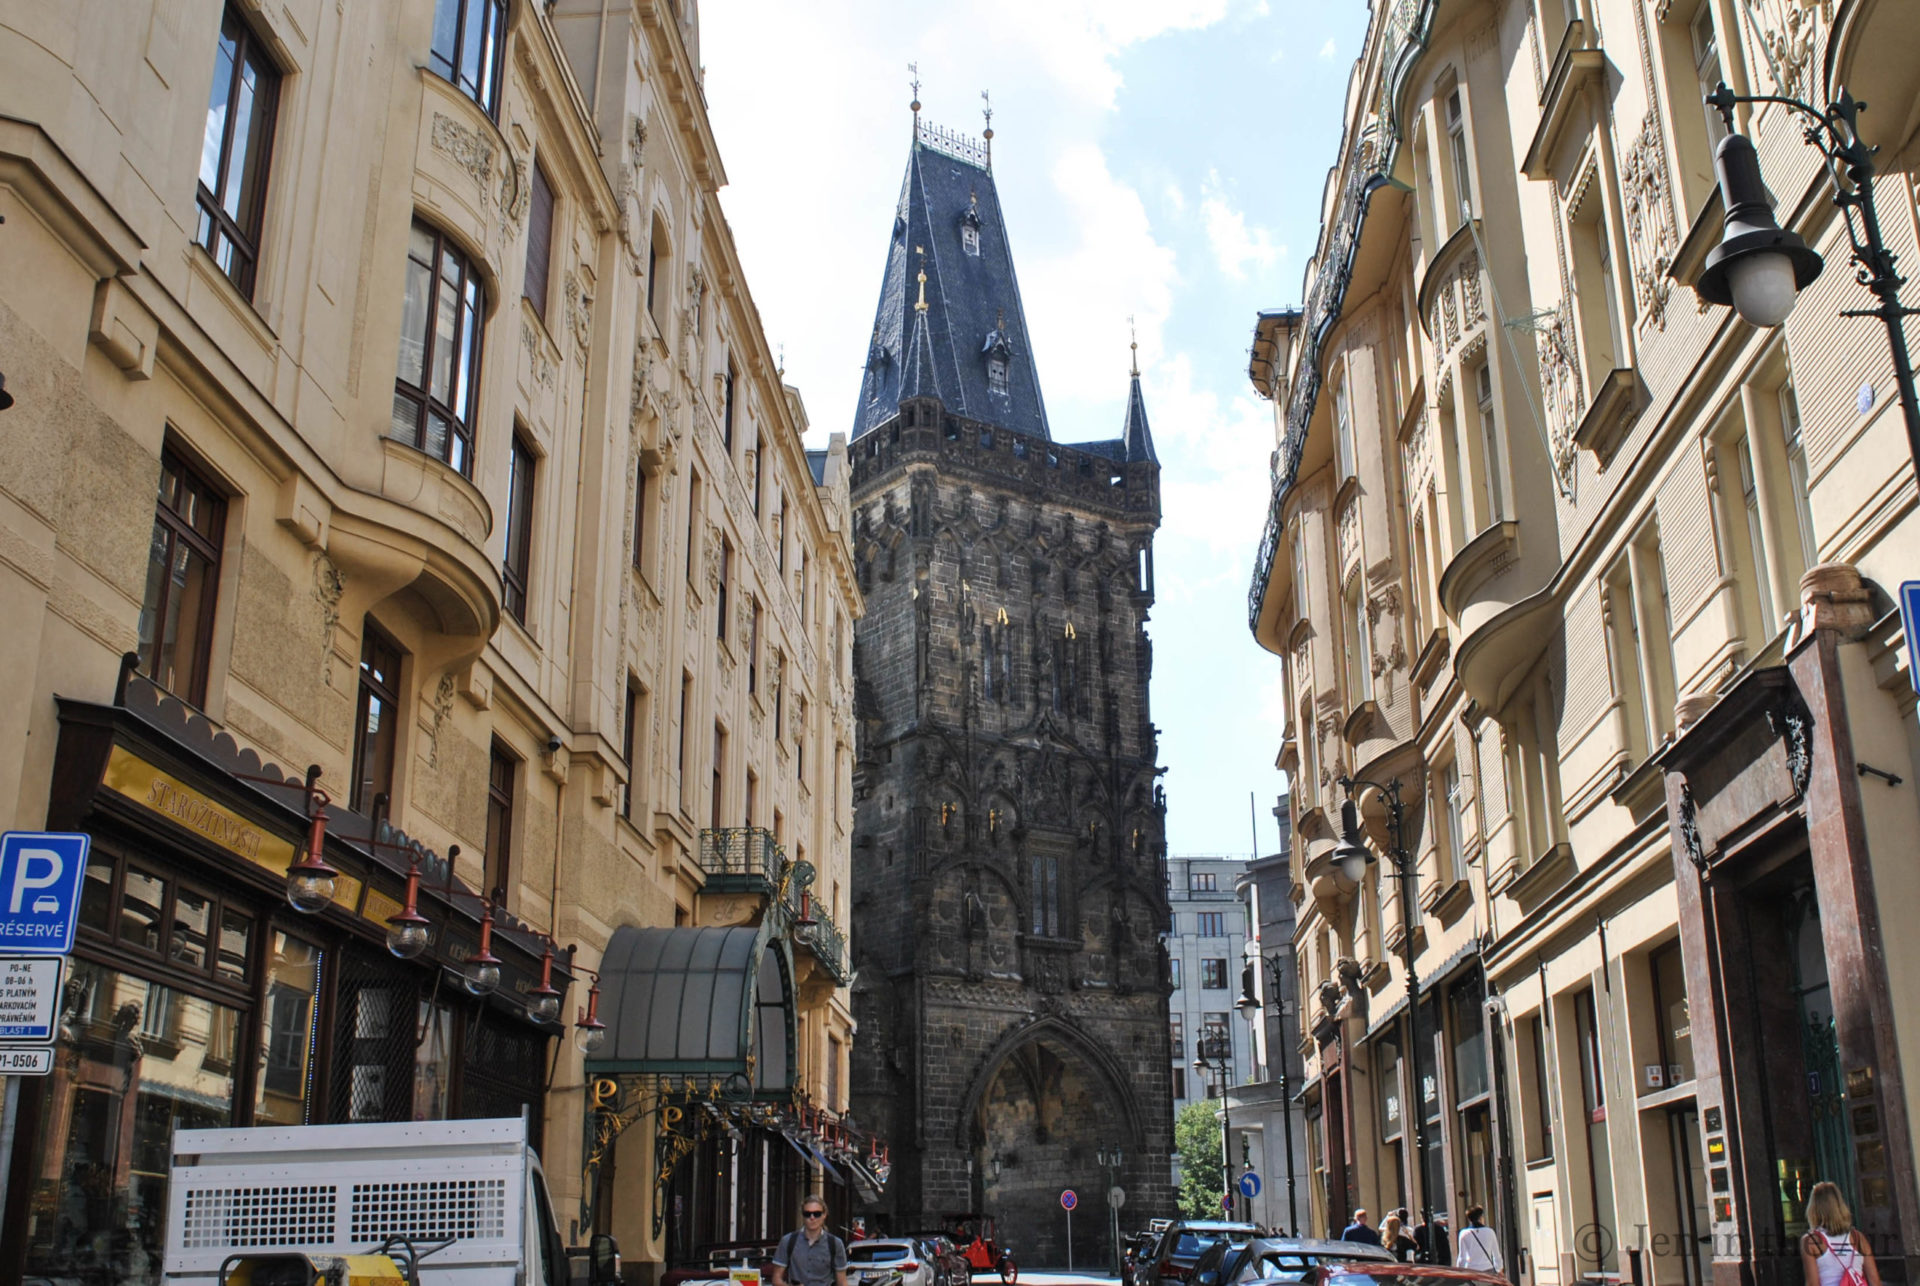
[1182,1243]
[714,1262]
[1289,1259]
[1371,1272]
[872,1261]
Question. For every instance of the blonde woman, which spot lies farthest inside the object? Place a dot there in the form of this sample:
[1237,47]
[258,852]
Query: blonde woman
[1833,1253]
[1394,1237]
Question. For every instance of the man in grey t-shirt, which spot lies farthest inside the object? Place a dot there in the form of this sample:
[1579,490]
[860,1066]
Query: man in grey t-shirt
[810,1255]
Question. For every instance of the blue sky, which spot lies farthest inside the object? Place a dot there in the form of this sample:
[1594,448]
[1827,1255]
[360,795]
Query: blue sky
[1163,159]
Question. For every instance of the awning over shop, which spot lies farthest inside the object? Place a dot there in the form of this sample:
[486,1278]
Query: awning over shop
[697,1002]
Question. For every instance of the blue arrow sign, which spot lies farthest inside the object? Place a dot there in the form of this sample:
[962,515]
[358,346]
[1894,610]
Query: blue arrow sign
[40,878]
[1910,626]
[1249,1185]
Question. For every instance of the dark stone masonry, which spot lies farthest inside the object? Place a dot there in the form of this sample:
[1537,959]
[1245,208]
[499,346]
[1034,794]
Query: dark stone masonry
[1009,860]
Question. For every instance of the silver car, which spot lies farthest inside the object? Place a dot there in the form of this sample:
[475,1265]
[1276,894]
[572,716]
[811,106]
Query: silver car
[870,1263]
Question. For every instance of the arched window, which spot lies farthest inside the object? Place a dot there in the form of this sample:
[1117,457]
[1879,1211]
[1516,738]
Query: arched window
[438,382]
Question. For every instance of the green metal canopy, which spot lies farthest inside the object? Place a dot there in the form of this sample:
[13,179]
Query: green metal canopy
[698,1002]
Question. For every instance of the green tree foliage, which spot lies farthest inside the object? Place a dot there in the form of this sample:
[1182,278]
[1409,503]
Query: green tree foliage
[1196,1141]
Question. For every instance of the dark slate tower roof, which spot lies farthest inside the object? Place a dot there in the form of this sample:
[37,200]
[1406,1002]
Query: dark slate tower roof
[973,318]
[1136,435]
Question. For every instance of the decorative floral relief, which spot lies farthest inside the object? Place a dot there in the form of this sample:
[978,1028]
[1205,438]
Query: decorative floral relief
[1791,32]
[1449,322]
[1473,308]
[579,311]
[1650,230]
[471,152]
[713,557]
[536,355]
[1413,452]
[1349,535]
[630,175]
[329,584]
[442,707]
[516,194]
[1559,383]
[642,381]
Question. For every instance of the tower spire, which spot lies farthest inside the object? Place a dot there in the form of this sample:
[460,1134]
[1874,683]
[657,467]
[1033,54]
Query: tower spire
[987,135]
[1134,345]
[913,70]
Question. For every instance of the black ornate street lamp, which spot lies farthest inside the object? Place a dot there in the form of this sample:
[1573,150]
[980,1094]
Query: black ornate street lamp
[1760,268]
[1249,1005]
[1352,857]
[1215,1054]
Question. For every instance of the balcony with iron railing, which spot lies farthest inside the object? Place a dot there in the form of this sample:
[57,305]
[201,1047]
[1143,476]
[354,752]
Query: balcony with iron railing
[817,932]
[742,859]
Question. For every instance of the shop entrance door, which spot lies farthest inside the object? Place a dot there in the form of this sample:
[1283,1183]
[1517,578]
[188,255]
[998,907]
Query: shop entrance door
[1820,1048]
[1546,1240]
[1690,1195]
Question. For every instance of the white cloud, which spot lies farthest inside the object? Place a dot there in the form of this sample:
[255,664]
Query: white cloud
[1236,246]
[1326,50]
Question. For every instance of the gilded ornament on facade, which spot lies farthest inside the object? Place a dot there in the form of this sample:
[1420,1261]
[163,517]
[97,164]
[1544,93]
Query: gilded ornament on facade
[1649,215]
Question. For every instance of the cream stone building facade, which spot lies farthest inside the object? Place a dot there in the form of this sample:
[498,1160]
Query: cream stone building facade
[1601,577]
[387,390]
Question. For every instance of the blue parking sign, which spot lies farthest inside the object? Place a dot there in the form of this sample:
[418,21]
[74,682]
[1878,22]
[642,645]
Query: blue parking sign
[40,878]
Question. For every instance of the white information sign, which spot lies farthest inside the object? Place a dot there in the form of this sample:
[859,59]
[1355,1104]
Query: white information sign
[29,998]
[29,1060]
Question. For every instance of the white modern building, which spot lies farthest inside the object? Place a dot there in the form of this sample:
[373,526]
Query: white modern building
[1204,952]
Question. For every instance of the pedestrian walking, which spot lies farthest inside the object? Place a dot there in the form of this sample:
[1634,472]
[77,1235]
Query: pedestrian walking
[1436,1247]
[1394,1236]
[1359,1230]
[1479,1248]
[1833,1253]
[810,1255]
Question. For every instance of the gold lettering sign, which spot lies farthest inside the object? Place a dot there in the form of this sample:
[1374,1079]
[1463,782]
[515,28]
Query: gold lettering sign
[162,793]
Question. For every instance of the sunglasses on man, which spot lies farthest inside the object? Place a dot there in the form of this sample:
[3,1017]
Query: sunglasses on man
[814,1214]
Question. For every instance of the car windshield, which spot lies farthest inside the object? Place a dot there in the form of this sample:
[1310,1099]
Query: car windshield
[1387,1278]
[1284,1265]
[1192,1243]
[873,1254]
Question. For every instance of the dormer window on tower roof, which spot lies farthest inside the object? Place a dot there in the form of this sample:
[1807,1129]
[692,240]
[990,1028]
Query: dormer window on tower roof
[998,351]
[970,225]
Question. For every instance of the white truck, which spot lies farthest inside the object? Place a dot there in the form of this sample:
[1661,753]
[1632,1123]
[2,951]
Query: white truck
[452,1203]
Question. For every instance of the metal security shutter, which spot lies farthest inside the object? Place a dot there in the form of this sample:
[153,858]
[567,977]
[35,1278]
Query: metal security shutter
[503,1068]
[377,1007]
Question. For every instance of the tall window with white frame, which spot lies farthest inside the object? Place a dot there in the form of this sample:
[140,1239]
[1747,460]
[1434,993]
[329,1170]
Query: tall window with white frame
[1492,461]
[1343,426]
[1359,645]
[1596,287]
[376,718]
[1799,482]
[234,151]
[1462,158]
[1641,642]
[1707,71]
[1454,832]
[518,564]
[1753,520]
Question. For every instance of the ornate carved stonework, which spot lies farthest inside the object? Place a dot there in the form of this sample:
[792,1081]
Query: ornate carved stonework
[329,584]
[442,707]
[516,194]
[1649,214]
[1349,536]
[468,150]
[579,311]
[1559,383]
[536,355]
[1792,32]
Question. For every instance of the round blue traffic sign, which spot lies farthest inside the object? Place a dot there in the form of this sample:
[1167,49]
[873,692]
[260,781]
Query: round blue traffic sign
[1250,1185]
[1067,1200]
[1226,1202]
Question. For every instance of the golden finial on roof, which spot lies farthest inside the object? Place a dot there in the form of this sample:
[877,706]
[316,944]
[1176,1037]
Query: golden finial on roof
[920,306]
[987,111]
[913,69]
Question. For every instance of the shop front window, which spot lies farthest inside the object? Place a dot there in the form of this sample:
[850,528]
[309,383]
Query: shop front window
[136,1061]
[287,1032]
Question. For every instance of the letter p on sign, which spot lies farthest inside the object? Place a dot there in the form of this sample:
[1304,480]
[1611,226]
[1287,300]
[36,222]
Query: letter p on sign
[41,875]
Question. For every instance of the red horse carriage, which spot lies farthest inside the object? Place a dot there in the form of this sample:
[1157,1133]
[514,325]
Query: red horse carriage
[974,1234]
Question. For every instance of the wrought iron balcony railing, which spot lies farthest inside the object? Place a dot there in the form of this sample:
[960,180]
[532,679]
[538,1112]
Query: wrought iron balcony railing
[826,941]
[741,858]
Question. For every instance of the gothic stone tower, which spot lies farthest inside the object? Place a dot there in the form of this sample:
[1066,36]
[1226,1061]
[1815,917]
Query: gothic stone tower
[1009,886]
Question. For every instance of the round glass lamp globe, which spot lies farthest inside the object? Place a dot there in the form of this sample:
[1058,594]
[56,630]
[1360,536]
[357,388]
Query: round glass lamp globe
[543,1008]
[481,978]
[590,1039]
[406,941]
[308,892]
[1763,287]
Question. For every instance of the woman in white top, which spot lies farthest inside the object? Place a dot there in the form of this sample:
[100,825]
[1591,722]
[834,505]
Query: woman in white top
[1833,1253]
[1478,1248]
